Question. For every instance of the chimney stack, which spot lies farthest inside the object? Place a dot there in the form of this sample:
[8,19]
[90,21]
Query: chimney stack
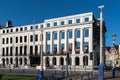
[9,24]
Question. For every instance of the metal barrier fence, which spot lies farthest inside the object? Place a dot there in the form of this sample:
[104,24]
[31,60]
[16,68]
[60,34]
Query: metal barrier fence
[48,74]
[88,76]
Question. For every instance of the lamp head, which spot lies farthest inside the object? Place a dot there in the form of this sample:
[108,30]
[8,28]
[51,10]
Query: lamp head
[101,7]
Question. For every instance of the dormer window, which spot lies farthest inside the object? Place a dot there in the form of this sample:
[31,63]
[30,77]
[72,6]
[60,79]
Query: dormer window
[7,31]
[25,28]
[77,20]
[87,19]
[69,21]
[16,29]
[36,27]
[11,30]
[31,27]
[62,22]
[21,29]
[55,23]
[3,31]
[48,24]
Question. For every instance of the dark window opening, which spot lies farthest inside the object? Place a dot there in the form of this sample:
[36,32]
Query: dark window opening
[25,38]
[31,50]
[31,38]
[77,62]
[20,39]
[16,39]
[25,50]
[3,51]
[7,51]
[11,51]
[16,52]
[11,40]
[21,50]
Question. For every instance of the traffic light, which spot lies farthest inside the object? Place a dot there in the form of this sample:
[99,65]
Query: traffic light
[91,55]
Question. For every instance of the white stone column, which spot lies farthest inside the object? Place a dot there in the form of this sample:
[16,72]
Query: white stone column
[59,42]
[90,39]
[14,46]
[33,43]
[28,60]
[44,42]
[51,45]
[66,41]
[14,61]
[74,42]
[28,45]
[82,41]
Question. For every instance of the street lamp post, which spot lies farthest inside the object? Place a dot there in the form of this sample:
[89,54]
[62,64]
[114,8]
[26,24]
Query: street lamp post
[41,55]
[113,52]
[101,65]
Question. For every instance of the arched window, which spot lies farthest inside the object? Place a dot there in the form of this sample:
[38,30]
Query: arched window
[11,61]
[3,60]
[20,61]
[54,61]
[77,62]
[16,62]
[85,60]
[47,62]
[7,61]
[25,61]
[61,61]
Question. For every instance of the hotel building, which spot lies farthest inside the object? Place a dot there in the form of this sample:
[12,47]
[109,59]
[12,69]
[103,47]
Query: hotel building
[75,35]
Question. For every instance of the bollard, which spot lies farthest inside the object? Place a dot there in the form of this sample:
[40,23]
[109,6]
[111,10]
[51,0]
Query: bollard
[54,72]
[81,77]
[37,78]
[101,72]
[63,74]
[113,72]
[88,76]
[91,74]
[52,75]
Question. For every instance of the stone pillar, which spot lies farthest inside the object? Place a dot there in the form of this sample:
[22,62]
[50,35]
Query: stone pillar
[52,40]
[82,41]
[28,45]
[74,42]
[33,43]
[59,42]
[66,41]
[44,42]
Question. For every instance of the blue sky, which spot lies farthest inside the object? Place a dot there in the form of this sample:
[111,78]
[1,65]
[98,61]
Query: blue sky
[23,12]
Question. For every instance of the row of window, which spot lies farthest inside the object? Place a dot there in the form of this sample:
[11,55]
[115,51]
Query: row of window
[70,34]
[21,29]
[10,61]
[20,39]
[62,61]
[47,60]
[8,51]
[69,22]
[70,45]
[23,50]
[55,36]
[48,25]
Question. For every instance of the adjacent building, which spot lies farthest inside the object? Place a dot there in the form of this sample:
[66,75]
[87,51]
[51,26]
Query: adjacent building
[75,35]
[112,55]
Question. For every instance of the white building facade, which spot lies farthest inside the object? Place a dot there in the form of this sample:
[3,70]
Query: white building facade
[76,35]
